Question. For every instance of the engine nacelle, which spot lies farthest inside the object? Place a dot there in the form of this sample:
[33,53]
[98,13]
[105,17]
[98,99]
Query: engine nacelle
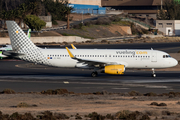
[114,69]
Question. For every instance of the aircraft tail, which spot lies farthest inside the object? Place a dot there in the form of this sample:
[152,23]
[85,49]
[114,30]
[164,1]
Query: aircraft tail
[19,40]
[29,33]
[23,47]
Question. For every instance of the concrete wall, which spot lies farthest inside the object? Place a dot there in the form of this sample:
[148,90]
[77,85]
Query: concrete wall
[45,18]
[48,24]
[177,27]
[58,39]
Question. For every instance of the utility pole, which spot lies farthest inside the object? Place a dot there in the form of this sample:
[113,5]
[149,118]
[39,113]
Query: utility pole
[82,17]
[161,4]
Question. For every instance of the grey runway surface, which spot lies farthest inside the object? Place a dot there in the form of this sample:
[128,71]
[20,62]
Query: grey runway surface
[166,47]
[25,79]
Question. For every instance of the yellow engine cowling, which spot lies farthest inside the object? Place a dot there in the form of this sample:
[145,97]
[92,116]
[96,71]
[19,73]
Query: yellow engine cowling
[114,69]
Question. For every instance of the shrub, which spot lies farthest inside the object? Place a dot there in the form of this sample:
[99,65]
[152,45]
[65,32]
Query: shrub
[174,93]
[78,116]
[2,34]
[154,103]
[152,113]
[166,113]
[109,116]
[96,116]
[16,115]
[171,96]
[145,117]
[54,22]
[65,43]
[8,91]
[103,21]
[115,18]
[88,41]
[79,26]
[61,116]
[34,22]
[178,102]
[137,115]
[27,116]
[134,93]
[23,104]
[122,114]
[87,24]
[55,92]
[150,94]
[47,115]
[104,41]
[162,104]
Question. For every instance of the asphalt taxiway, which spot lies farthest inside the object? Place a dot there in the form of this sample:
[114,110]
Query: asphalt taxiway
[22,77]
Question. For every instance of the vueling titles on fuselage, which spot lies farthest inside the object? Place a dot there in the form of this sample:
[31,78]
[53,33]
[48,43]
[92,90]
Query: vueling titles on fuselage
[132,52]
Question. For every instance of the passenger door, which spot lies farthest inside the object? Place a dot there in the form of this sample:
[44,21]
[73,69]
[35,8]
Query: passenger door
[154,57]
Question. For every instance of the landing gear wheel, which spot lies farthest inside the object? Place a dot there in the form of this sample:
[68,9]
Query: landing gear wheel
[94,74]
[154,75]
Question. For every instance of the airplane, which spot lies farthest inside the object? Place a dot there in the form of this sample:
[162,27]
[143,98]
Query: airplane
[5,48]
[9,47]
[109,61]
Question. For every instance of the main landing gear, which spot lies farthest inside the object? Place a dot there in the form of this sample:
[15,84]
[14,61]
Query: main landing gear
[94,74]
[153,73]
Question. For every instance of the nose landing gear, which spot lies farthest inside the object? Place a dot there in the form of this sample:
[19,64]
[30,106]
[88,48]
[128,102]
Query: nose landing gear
[153,73]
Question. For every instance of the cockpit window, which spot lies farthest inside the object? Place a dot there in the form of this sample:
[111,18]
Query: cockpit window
[166,56]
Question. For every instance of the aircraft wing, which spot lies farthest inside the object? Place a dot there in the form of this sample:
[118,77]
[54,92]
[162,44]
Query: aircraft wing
[91,62]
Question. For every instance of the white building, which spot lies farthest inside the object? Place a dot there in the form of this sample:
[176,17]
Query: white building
[168,27]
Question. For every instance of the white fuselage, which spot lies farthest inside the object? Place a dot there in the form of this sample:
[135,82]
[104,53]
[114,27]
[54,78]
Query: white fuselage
[129,57]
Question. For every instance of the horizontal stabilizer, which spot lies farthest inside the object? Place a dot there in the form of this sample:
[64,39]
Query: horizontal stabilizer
[12,54]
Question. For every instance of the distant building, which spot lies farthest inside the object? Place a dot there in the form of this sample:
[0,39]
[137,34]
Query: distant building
[168,27]
[84,2]
[134,6]
[46,19]
[87,9]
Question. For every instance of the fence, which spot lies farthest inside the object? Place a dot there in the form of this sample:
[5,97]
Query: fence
[89,11]
[136,21]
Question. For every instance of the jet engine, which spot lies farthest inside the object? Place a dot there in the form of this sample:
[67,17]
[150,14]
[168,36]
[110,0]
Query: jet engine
[114,69]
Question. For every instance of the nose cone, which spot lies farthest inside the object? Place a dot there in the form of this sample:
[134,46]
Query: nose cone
[174,62]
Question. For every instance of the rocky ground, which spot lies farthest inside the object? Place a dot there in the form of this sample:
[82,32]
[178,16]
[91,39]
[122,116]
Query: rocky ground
[156,107]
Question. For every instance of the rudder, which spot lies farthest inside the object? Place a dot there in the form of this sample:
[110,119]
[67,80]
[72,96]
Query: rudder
[19,39]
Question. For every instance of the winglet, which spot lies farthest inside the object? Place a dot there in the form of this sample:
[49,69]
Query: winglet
[73,46]
[70,54]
